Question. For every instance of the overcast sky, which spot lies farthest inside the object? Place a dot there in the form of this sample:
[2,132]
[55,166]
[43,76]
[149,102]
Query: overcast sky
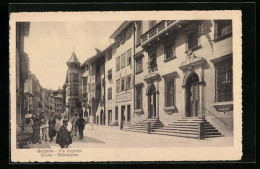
[50,45]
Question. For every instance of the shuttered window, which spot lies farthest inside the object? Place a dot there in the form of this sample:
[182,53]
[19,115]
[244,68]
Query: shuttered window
[138,32]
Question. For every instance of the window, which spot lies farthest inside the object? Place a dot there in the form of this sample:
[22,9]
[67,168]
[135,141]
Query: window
[138,32]
[224,81]
[84,81]
[109,74]
[123,84]
[118,64]
[222,27]
[122,60]
[116,114]
[122,37]
[129,112]
[118,40]
[152,23]
[169,92]
[152,60]
[109,54]
[193,40]
[109,95]
[128,83]
[169,50]
[128,32]
[138,95]
[118,86]
[129,57]
[139,65]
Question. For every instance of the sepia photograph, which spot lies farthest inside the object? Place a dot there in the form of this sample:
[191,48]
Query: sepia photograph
[126,86]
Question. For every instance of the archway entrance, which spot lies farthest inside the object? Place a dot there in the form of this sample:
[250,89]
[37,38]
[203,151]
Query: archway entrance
[192,96]
[152,102]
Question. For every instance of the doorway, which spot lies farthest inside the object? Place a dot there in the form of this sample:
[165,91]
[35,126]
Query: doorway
[192,96]
[152,102]
[123,114]
[109,117]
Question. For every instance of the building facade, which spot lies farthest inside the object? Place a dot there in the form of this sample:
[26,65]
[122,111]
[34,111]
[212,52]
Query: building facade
[123,74]
[22,69]
[184,69]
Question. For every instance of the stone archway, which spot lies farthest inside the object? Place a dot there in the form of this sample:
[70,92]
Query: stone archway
[192,95]
[151,93]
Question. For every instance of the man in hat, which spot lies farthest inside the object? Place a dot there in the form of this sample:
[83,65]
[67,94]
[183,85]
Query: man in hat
[64,137]
[52,131]
[81,125]
[58,125]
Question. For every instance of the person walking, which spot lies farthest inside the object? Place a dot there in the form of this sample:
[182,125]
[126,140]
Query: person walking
[29,125]
[64,138]
[74,120]
[58,124]
[81,125]
[44,130]
[52,131]
[91,120]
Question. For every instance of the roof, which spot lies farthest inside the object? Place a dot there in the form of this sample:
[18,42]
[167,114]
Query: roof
[96,56]
[120,28]
[73,58]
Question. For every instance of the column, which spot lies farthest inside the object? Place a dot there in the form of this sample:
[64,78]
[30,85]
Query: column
[157,99]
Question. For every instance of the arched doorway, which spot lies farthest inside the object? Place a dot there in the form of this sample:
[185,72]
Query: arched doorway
[152,101]
[192,95]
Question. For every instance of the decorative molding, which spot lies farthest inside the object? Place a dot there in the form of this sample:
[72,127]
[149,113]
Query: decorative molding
[172,74]
[222,58]
[192,61]
[223,106]
[151,77]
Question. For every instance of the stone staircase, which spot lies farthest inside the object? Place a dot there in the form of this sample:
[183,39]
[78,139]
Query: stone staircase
[141,126]
[188,127]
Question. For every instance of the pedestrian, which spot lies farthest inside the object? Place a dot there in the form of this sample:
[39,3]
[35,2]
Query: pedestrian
[44,130]
[74,120]
[64,138]
[91,120]
[36,130]
[29,125]
[81,125]
[58,124]
[52,131]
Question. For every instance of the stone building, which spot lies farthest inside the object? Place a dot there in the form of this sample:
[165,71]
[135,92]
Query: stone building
[22,69]
[183,76]
[123,74]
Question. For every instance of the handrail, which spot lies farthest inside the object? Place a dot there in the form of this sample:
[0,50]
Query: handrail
[212,114]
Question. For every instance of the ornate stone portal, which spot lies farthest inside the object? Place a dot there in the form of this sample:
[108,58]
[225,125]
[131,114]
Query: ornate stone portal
[193,84]
[152,92]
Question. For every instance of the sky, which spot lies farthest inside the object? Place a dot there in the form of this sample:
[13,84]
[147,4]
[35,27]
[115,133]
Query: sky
[50,45]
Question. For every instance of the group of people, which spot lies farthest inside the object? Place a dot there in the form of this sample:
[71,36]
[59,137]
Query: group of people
[57,127]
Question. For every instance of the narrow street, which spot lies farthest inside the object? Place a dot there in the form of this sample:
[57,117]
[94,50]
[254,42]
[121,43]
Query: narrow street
[112,137]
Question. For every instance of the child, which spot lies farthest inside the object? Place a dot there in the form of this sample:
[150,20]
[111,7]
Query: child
[44,130]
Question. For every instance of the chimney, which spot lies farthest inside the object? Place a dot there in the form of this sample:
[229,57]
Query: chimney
[98,51]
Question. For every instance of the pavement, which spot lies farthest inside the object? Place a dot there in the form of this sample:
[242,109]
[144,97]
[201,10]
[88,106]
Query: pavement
[112,137]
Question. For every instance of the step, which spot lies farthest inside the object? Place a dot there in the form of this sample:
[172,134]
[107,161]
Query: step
[176,134]
[179,129]
[175,131]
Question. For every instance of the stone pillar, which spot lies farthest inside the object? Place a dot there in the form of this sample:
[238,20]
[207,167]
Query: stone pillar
[201,114]
[157,99]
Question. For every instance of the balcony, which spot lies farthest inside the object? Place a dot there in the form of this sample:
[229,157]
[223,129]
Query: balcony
[158,29]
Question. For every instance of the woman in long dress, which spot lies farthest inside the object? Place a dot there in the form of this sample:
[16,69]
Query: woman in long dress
[36,130]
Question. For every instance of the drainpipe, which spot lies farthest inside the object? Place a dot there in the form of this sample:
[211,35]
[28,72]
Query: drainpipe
[134,69]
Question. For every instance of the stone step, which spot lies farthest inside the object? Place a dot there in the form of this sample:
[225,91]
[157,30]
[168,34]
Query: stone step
[178,129]
[176,134]
[175,131]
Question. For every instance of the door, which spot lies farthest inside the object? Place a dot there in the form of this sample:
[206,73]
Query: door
[109,117]
[128,113]
[123,114]
[192,102]
[152,102]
